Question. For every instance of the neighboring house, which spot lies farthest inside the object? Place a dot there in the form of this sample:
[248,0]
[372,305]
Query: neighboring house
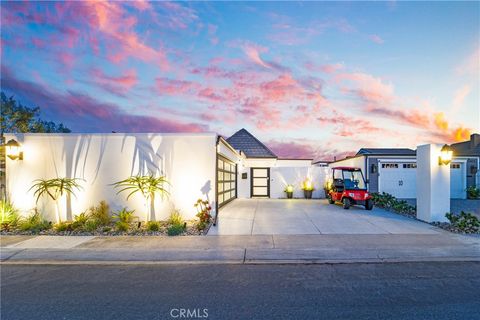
[393,170]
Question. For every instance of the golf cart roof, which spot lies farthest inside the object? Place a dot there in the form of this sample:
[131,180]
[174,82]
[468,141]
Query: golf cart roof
[347,168]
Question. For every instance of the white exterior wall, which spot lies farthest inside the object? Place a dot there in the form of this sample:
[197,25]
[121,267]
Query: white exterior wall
[224,150]
[281,176]
[357,162]
[282,173]
[243,185]
[187,161]
[433,185]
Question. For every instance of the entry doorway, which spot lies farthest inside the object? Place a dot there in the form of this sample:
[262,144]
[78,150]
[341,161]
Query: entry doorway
[260,183]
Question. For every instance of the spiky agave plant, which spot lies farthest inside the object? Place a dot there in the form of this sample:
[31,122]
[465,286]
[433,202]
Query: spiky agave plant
[148,186]
[55,189]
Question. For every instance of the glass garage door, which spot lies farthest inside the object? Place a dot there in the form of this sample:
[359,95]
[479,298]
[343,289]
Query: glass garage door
[226,181]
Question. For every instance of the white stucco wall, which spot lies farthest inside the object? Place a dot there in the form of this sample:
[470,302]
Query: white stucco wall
[283,172]
[282,176]
[357,162]
[187,160]
[433,184]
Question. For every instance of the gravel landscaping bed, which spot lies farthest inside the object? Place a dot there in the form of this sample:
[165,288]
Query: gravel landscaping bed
[190,230]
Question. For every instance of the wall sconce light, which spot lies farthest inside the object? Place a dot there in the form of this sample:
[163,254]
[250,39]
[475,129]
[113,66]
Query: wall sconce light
[373,168]
[14,150]
[445,155]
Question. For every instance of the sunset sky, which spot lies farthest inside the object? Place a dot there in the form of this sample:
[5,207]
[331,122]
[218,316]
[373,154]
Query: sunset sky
[309,79]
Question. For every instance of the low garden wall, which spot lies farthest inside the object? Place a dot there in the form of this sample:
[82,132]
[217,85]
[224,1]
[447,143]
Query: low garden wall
[99,160]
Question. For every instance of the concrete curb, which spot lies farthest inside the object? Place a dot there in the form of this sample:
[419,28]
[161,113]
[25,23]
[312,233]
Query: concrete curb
[236,262]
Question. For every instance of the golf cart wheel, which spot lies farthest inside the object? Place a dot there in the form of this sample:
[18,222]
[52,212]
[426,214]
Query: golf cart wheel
[346,203]
[330,200]
[369,205]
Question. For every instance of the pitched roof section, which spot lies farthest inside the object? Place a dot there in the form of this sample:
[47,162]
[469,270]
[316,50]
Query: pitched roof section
[244,141]
[468,148]
[387,151]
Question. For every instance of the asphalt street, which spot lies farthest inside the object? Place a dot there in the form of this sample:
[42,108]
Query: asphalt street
[439,290]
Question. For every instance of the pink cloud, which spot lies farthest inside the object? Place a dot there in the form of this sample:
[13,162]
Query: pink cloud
[292,149]
[166,86]
[370,89]
[460,96]
[376,38]
[96,116]
[253,53]
[115,84]
[66,59]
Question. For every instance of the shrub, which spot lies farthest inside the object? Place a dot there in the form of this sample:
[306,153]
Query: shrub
[473,192]
[122,226]
[63,226]
[107,229]
[307,185]
[35,223]
[55,189]
[203,213]
[124,215]
[153,226]
[9,217]
[148,186]
[175,217]
[91,225]
[101,214]
[80,221]
[465,222]
[175,229]
[387,201]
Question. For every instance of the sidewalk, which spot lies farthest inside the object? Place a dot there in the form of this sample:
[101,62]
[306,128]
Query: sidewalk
[253,249]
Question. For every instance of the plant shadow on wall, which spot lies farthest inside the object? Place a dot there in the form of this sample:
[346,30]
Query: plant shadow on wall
[146,158]
[75,157]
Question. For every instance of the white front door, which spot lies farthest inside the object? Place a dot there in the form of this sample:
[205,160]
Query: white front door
[398,179]
[457,180]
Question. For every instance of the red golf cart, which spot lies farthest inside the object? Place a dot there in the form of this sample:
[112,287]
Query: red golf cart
[347,185]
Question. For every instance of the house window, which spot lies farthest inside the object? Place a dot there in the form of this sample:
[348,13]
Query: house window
[390,165]
[409,166]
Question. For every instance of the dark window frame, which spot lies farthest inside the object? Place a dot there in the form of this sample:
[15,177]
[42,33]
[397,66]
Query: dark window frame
[252,178]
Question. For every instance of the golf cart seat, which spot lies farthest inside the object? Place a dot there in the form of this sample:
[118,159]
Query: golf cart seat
[338,184]
[348,184]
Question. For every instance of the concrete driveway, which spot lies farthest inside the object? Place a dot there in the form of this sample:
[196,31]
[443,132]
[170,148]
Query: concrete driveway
[295,216]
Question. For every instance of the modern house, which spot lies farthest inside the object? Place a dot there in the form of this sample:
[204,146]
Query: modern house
[202,165]
[197,165]
[393,170]
[260,172]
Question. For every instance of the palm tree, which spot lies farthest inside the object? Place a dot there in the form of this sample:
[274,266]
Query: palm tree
[148,186]
[55,189]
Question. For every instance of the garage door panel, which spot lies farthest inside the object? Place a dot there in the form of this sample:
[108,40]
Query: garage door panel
[398,179]
[457,180]
[226,181]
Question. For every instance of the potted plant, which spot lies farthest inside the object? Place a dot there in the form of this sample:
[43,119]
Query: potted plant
[473,192]
[307,187]
[289,191]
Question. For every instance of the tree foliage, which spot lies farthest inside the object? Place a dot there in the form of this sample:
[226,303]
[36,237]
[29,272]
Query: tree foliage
[17,118]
